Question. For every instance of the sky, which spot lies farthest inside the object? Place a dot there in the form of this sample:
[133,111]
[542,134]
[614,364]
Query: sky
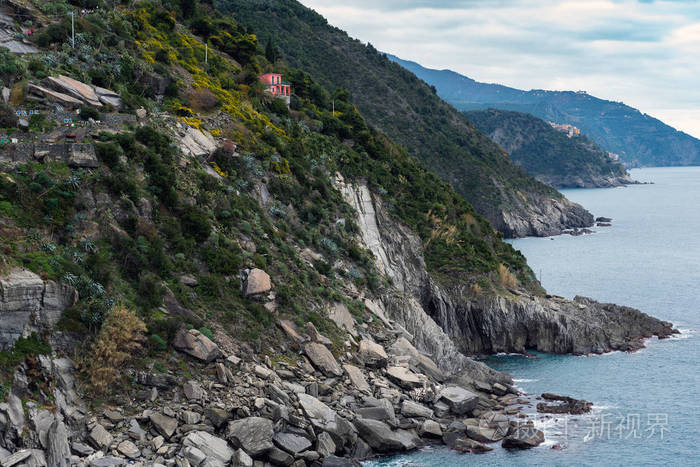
[645,53]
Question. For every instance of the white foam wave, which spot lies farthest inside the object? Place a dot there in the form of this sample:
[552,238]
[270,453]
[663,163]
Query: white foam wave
[524,380]
[684,334]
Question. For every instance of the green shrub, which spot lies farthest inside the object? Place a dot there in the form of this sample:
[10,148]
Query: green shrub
[87,113]
[8,117]
[195,223]
[109,153]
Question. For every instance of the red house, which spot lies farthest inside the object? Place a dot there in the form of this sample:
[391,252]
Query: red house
[276,86]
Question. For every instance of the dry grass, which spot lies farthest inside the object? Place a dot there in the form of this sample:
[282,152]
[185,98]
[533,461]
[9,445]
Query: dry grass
[121,336]
[476,289]
[202,100]
[506,278]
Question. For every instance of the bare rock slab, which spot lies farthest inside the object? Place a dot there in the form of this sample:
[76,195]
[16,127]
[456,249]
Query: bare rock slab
[323,359]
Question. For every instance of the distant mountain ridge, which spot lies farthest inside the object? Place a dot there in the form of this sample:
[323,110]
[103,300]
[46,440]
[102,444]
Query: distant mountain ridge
[550,155]
[639,139]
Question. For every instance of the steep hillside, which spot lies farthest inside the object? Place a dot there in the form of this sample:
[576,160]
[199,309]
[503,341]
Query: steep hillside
[194,273]
[639,139]
[408,111]
[550,155]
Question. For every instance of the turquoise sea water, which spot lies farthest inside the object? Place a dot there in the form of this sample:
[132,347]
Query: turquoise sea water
[647,404]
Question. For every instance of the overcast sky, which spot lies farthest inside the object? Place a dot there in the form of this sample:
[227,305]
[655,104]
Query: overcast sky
[645,53]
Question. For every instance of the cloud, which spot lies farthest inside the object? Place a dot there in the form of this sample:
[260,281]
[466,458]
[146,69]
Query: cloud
[643,53]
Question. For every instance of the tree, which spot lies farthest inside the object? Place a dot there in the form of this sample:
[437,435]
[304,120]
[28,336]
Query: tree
[272,52]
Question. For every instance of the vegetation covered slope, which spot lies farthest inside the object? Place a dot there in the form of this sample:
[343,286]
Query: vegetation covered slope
[639,139]
[408,111]
[167,235]
[547,154]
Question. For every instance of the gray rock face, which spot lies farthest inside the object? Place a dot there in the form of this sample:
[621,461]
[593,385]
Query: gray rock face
[541,218]
[447,322]
[323,359]
[252,434]
[210,445]
[28,304]
[459,399]
[494,324]
[196,344]
[381,438]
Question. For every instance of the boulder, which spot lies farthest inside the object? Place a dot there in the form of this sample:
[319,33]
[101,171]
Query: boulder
[417,360]
[252,434]
[324,444]
[194,391]
[291,443]
[373,354]
[291,330]
[484,434]
[73,88]
[459,399]
[403,377]
[163,424]
[322,359]
[241,459]
[255,282]
[523,437]
[461,443]
[57,448]
[323,418]
[381,438]
[16,458]
[40,93]
[128,449]
[414,409]
[100,438]
[197,143]
[196,344]
[357,378]
[108,461]
[316,336]
[212,446]
[430,429]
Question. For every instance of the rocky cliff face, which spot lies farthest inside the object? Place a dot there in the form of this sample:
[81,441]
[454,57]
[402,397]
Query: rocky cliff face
[399,254]
[586,181]
[542,218]
[29,304]
[488,323]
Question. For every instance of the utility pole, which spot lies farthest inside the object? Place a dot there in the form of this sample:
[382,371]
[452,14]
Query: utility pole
[72,28]
[206,53]
[333,107]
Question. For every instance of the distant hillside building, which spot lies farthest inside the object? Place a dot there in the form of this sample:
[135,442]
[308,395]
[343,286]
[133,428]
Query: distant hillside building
[276,86]
[570,130]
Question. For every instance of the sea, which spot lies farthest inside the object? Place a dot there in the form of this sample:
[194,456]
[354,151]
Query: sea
[646,404]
